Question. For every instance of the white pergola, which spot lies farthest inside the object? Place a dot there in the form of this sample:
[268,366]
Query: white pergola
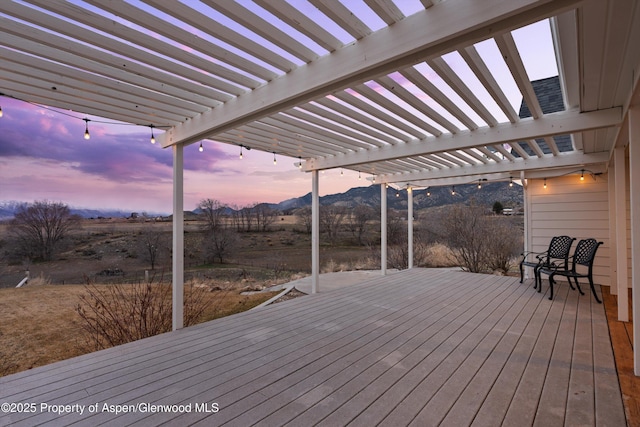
[344,84]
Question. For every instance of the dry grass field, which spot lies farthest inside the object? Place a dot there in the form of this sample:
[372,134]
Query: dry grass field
[40,324]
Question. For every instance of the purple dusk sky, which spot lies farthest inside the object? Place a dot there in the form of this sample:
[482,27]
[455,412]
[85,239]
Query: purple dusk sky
[43,155]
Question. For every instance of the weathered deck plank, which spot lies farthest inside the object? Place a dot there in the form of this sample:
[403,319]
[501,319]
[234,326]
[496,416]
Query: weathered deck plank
[428,347]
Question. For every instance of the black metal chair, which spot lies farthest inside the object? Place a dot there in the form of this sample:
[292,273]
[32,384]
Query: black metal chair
[556,256]
[583,256]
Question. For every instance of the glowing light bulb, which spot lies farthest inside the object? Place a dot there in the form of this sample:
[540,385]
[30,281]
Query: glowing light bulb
[86,129]
[201,148]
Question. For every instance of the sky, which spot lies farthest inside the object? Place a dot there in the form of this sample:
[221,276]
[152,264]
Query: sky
[43,155]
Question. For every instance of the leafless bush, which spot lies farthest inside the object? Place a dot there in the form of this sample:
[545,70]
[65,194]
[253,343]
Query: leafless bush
[506,244]
[398,255]
[479,241]
[117,314]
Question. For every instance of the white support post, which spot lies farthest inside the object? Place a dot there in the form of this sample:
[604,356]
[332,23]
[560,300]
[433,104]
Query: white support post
[315,232]
[613,265]
[383,229]
[634,182]
[526,196]
[621,234]
[410,226]
[178,237]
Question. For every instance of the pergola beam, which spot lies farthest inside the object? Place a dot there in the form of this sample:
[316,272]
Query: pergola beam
[549,125]
[576,160]
[443,28]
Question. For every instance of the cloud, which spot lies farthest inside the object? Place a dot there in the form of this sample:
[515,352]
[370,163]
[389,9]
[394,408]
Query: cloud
[33,132]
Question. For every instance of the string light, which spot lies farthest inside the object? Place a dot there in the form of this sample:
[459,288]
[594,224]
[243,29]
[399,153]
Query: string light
[87,135]
[374,178]
[240,152]
[428,192]
[510,182]
[359,175]
[453,190]
[300,164]
[545,183]
[153,138]
[201,148]
[275,162]
[479,185]
[582,175]
[397,193]
[86,128]
[341,172]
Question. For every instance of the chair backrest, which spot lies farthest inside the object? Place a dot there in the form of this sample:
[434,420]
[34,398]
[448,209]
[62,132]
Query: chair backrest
[560,247]
[585,252]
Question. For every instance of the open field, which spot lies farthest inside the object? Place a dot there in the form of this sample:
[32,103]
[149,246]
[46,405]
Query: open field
[40,324]
[100,247]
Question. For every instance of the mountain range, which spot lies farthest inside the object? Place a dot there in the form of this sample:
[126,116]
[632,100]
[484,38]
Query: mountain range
[508,196]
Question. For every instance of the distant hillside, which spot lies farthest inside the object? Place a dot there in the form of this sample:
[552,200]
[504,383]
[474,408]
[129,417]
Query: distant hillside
[439,196]
[9,208]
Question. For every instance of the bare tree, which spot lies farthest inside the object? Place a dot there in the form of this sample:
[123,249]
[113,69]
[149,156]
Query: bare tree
[214,212]
[41,226]
[396,230]
[331,218]
[264,216]
[153,244]
[304,218]
[220,244]
[357,221]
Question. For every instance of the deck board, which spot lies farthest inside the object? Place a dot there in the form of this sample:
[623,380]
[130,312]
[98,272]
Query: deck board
[423,346]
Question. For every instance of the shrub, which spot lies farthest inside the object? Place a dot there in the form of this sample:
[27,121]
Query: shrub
[118,314]
[480,242]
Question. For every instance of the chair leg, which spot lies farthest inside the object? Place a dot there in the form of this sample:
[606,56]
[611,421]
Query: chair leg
[551,287]
[593,289]
[538,284]
[571,284]
[521,273]
[577,284]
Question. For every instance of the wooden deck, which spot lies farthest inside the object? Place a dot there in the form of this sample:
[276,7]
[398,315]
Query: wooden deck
[420,347]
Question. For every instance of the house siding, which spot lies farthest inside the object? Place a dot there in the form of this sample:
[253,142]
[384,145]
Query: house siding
[571,207]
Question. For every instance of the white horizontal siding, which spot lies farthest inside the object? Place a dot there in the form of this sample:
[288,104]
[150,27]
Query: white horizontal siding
[575,208]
